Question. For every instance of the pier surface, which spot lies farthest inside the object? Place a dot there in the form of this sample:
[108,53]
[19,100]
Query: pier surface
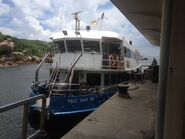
[120,118]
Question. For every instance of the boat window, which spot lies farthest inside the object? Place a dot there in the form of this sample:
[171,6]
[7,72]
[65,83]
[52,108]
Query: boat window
[115,48]
[132,54]
[73,45]
[91,46]
[111,47]
[59,46]
[127,52]
[93,79]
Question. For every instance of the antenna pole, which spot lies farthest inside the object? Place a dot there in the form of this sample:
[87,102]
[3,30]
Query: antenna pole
[61,23]
[102,18]
[77,20]
[76,24]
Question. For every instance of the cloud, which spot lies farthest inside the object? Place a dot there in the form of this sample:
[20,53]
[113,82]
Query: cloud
[4,8]
[7,31]
[38,19]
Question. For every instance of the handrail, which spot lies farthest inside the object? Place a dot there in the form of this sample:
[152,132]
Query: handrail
[38,68]
[55,74]
[52,74]
[119,64]
[71,68]
[26,102]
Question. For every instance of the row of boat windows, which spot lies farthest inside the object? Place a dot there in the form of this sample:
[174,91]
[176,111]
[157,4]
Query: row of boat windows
[94,79]
[75,46]
[91,46]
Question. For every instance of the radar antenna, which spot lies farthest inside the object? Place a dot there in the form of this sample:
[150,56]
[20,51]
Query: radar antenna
[77,19]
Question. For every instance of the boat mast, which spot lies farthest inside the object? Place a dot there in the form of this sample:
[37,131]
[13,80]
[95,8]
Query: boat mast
[77,20]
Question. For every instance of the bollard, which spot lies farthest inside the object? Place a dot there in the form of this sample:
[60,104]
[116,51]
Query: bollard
[123,90]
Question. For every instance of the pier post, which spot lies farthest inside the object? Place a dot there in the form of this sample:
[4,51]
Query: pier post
[171,108]
[174,123]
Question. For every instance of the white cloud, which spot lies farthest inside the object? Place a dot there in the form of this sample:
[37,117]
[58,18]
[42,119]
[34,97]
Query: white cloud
[31,15]
[37,19]
[17,22]
[54,22]
[7,31]
[4,8]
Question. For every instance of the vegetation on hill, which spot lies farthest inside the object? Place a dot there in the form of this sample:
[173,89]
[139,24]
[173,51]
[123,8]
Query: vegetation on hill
[35,47]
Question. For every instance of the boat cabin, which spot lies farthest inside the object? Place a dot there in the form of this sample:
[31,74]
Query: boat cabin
[99,58]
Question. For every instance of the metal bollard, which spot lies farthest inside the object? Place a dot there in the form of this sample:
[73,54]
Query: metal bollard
[123,90]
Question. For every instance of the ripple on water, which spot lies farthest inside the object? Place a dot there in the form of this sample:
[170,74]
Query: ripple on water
[15,85]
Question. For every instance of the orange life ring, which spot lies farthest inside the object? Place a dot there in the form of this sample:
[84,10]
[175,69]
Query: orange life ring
[111,58]
[117,61]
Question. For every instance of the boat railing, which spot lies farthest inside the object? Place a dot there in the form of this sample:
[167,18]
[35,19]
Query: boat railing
[112,64]
[54,74]
[71,89]
[39,66]
[112,61]
[76,89]
[26,103]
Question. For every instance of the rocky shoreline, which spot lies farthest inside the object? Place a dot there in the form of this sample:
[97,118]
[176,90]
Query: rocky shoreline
[10,61]
[9,58]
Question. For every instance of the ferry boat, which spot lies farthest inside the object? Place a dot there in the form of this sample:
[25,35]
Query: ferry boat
[87,67]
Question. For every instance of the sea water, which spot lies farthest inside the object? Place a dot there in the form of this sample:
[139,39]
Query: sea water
[15,85]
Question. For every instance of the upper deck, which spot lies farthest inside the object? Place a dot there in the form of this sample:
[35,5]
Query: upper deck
[102,50]
[83,34]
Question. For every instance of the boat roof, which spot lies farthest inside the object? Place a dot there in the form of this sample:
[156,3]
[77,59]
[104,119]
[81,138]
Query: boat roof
[84,34]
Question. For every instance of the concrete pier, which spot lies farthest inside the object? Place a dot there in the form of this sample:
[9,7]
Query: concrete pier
[120,118]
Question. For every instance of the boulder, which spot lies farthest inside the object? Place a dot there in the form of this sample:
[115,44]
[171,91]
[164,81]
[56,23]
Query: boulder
[6,46]
[35,58]
[19,56]
[6,58]
[1,60]
[27,52]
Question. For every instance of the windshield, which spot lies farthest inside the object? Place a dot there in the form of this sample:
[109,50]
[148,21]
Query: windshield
[59,46]
[91,46]
[73,45]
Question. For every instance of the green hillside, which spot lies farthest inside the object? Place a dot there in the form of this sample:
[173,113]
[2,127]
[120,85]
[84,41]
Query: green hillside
[35,47]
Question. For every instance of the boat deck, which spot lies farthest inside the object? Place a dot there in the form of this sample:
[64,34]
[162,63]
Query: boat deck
[120,118]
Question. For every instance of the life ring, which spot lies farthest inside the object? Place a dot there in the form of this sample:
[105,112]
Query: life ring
[111,58]
[117,59]
[114,61]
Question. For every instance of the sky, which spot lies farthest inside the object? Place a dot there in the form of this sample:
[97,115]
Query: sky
[38,19]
